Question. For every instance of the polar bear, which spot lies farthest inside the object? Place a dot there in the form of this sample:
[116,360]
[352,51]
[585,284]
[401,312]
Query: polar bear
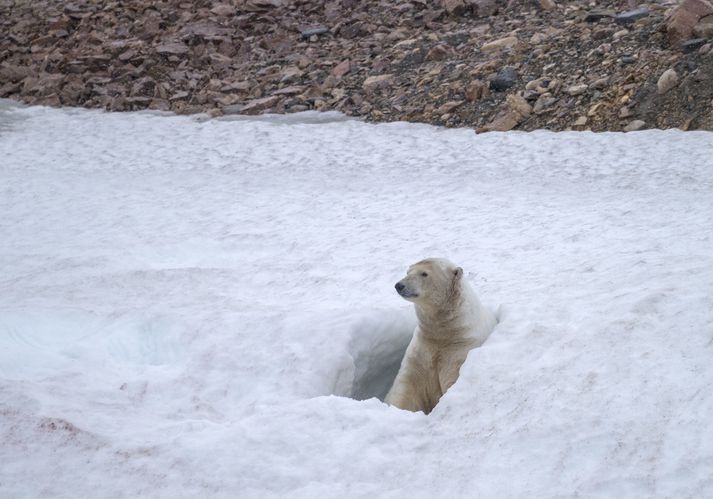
[451,321]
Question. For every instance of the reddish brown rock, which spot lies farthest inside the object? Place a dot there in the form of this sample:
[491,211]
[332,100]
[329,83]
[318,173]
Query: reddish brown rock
[684,18]
[375,83]
[439,52]
[342,68]
[476,90]
[172,48]
[258,105]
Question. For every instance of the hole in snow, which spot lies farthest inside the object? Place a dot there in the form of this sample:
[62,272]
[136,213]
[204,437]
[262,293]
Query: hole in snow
[377,345]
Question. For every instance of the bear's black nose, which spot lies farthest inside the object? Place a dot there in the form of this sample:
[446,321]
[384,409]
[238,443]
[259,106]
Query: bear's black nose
[399,287]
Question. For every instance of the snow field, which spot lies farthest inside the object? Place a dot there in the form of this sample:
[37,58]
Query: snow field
[186,306]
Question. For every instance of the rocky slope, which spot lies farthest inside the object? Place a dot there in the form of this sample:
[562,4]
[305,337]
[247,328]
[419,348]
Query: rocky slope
[488,64]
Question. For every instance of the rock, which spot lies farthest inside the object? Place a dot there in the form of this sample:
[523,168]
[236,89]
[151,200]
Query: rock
[692,45]
[544,103]
[547,4]
[516,110]
[206,30]
[504,122]
[449,107]
[316,31]
[439,52]
[620,34]
[455,7]
[342,68]
[258,105]
[581,121]
[667,81]
[628,59]
[631,16]
[634,126]
[172,48]
[261,5]
[502,43]
[704,28]
[223,10]
[624,112]
[13,73]
[577,89]
[483,8]
[600,83]
[679,26]
[506,78]
[290,74]
[293,90]
[597,14]
[128,55]
[519,105]
[374,83]
[476,90]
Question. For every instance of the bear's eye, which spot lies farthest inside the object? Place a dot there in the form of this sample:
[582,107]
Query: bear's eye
[424,274]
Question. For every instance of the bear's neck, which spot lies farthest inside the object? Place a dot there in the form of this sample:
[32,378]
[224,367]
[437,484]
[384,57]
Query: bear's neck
[447,322]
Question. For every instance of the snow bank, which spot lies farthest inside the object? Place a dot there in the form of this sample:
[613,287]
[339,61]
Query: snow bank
[186,308]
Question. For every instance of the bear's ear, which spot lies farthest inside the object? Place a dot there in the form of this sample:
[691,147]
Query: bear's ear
[457,273]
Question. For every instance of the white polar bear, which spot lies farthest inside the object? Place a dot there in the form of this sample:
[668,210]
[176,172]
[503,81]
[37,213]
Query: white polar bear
[451,321]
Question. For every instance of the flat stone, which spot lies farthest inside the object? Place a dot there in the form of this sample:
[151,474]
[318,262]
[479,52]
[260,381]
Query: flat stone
[449,107]
[316,31]
[502,43]
[172,48]
[631,16]
[692,45]
[342,68]
[373,83]
[258,105]
[634,126]
[292,90]
[598,14]
[577,89]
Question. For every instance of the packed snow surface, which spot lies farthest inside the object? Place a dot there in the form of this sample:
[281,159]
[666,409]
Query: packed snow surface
[192,308]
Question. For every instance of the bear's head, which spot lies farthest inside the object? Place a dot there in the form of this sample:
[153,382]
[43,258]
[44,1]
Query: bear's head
[430,282]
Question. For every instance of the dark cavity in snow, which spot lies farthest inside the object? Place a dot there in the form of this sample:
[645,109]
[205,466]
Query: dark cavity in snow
[377,345]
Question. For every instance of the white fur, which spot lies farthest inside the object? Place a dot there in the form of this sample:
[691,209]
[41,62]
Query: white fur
[451,321]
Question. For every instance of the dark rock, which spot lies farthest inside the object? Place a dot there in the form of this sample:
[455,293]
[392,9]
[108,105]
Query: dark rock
[455,7]
[506,78]
[631,16]
[692,45]
[316,31]
[598,14]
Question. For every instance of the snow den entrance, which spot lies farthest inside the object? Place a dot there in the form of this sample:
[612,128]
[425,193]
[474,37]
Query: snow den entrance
[376,346]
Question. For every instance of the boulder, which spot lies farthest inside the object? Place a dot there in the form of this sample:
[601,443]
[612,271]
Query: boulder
[679,26]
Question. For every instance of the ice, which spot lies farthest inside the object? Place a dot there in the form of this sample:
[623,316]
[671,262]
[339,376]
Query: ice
[193,307]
